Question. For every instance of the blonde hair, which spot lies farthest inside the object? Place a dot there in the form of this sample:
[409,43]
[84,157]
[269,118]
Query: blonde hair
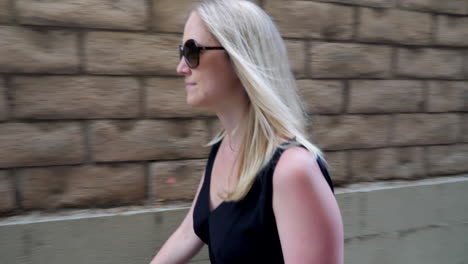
[259,56]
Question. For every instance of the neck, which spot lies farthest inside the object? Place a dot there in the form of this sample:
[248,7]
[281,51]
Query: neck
[234,129]
[232,117]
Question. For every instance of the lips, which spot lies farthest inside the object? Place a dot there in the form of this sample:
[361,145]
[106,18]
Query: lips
[190,85]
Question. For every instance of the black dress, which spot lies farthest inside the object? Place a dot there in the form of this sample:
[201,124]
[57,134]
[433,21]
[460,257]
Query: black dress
[244,231]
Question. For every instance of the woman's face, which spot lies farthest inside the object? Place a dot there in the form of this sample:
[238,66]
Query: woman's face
[214,80]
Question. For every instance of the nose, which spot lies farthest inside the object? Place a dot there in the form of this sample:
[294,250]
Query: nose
[183,68]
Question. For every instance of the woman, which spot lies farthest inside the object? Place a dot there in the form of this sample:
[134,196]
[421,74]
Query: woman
[265,196]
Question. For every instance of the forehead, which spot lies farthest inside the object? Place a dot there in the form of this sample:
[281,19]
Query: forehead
[196,29]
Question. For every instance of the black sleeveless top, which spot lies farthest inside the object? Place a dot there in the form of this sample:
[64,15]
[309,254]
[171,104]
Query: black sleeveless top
[244,231]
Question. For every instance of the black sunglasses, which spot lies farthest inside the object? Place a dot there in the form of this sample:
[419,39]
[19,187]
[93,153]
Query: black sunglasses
[191,52]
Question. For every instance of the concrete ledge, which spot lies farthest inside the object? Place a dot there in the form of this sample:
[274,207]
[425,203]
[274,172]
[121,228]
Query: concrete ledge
[389,222]
[130,237]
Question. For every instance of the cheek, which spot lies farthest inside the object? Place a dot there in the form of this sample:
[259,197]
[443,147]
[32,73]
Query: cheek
[216,78]
[222,74]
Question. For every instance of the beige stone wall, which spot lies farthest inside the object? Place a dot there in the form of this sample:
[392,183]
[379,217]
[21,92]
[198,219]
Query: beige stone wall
[93,114]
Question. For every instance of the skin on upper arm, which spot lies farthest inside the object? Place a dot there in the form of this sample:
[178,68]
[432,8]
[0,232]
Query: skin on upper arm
[307,214]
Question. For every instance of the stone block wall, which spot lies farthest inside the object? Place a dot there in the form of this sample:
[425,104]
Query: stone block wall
[93,114]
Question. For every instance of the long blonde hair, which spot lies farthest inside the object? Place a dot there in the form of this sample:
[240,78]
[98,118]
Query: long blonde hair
[259,56]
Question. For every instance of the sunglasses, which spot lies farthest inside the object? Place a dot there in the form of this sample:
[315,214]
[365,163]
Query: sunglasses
[191,52]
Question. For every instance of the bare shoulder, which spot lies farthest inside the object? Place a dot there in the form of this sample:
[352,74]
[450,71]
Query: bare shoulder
[295,166]
[306,211]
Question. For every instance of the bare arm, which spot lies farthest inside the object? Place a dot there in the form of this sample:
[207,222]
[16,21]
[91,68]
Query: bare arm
[307,214]
[183,244]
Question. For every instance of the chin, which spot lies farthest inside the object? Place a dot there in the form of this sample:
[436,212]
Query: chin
[194,102]
[199,102]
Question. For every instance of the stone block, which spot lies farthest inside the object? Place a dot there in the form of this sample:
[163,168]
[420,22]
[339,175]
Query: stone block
[391,25]
[296,50]
[337,166]
[131,53]
[37,144]
[171,15]
[82,186]
[214,126]
[452,31]
[429,63]
[447,6]
[445,96]
[306,19]
[176,180]
[345,60]
[166,97]
[25,50]
[386,96]
[387,163]
[351,131]
[425,129]
[322,96]
[449,159]
[58,97]
[6,12]
[124,14]
[372,3]
[149,140]
[7,192]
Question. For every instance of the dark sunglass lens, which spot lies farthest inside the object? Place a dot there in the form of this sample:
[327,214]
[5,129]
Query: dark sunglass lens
[191,53]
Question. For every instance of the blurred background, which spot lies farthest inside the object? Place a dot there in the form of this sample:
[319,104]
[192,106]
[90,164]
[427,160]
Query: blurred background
[100,155]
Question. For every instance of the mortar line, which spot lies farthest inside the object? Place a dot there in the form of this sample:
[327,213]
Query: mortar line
[196,118]
[142,85]
[425,95]
[426,162]
[9,97]
[14,13]
[81,52]
[179,34]
[148,183]
[465,127]
[85,129]
[434,30]
[348,161]
[308,60]
[14,178]
[394,63]
[150,15]
[391,130]
[461,131]
[338,3]
[465,65]
[356,22]
[346,96]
